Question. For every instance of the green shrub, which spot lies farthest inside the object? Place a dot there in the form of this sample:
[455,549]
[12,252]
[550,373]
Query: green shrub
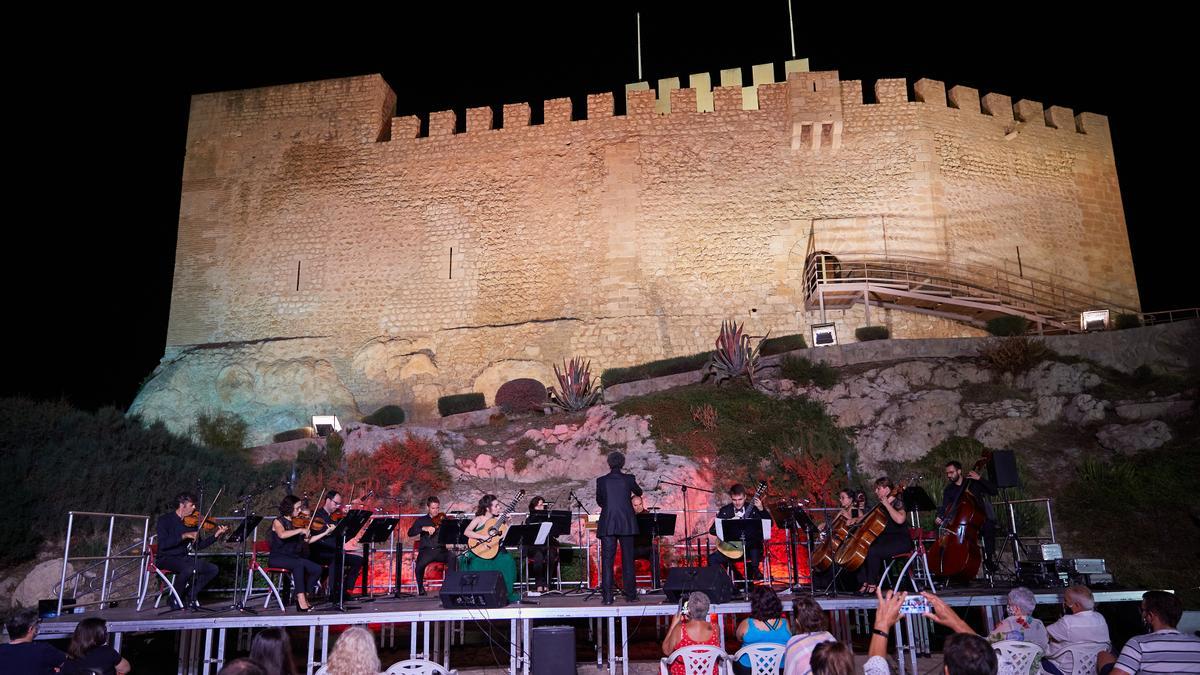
[460,403]
[220,431]
[802,371]
[1007,326]
[58,459]
[1125,320]
[781,344]
[292,435]
[868,333]
[645,371]
[1014,355]
[386,416]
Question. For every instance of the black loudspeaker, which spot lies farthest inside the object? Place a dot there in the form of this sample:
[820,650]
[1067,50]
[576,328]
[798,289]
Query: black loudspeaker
[482,589]
[712,581]
[1003,469]
[552,650]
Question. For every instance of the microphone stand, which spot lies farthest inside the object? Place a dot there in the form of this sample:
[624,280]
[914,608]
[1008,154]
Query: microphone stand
[587,557]
[687,531]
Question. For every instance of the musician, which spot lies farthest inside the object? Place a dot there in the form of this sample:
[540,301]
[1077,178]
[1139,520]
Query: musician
[849,507]
[287,550]
[539,562]
[618,526]
[739,508]
[894,539]
[981,488]
[325,550]
[173,553]
[429,550]
[488,510]
[643,546]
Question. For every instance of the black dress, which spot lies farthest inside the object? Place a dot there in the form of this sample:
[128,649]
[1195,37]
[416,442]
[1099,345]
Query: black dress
[289,554]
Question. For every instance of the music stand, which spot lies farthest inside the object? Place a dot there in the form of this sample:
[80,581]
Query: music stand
[346,529]
[379,531]
[915,498]
[560,524]
[656,525]
[521,536]
[748,531]
[241,536]
[792,517]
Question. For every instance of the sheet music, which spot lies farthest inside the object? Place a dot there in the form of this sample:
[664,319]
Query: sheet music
[543,533]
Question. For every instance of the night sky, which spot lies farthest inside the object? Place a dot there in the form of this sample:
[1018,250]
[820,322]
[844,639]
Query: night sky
[98,112]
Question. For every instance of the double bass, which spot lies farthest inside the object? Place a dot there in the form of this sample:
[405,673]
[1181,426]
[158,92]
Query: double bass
[956,555]
[853,552]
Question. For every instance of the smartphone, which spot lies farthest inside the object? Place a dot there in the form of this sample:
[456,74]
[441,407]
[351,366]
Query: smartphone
[684,611]
[915,604]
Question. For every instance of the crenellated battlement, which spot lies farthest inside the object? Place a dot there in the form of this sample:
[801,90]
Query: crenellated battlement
[814,100]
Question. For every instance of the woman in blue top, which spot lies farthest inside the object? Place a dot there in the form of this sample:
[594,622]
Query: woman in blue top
[765,625]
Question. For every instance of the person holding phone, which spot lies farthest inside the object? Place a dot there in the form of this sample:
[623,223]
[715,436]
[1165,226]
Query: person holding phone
[690,627]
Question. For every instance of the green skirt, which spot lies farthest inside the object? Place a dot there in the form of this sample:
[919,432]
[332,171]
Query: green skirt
[502,563]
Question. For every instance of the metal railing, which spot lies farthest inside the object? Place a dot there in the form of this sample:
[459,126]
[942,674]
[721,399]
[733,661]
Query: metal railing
[1043,301]
[105,561]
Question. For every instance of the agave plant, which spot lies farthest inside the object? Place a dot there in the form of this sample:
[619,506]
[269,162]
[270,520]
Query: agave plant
[733,356]
[576,389]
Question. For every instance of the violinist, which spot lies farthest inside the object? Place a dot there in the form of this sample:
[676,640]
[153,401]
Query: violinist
[289,533]
[174,538]
[893,541]
[429,550]
[956,484]
[324,551]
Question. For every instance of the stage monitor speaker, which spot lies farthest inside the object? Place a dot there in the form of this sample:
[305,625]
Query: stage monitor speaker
[712,581]
[553,650]
[482,589]
[1003,469]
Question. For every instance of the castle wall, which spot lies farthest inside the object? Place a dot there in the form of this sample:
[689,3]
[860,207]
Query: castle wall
[423,266]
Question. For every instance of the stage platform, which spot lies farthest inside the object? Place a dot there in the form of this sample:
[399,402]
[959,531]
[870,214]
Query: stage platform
[204,631]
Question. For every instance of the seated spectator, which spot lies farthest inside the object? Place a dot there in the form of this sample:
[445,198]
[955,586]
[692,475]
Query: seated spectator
[1081,624]
[691,629]
[1019,625]
[808,631]
[354,654]
[832,658]
[272,650]
[22,654]
[242,667]
[765,625]
[89,648]
[1163,650]
[963,653]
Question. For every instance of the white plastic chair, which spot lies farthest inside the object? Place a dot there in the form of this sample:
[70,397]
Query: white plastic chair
[323,670]
[1017,658]
[1082,660]
[697,660]
[765,658]
[417,667]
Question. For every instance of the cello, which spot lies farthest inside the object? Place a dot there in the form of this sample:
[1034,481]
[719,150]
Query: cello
[853,552]
[956,555]
[836,532]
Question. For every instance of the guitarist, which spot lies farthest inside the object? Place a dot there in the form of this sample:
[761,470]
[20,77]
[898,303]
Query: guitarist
[894,539]
[488,528]
[739,508]
[955,486]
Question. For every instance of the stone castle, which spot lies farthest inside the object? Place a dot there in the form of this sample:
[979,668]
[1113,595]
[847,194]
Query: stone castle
[333,257]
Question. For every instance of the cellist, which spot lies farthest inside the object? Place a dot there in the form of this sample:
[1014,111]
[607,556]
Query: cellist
[894,539]
[956,485]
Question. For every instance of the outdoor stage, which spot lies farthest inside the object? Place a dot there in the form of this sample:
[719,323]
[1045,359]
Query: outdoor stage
[433,630]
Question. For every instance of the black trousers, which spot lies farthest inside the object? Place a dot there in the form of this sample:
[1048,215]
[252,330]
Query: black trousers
[182,566]
[608,555]
[339,578]
[427,556]
[753,556]
[881,551]
[540,563]
[305,573]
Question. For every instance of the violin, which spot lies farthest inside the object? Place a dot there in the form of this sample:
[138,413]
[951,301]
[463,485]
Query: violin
[192,522]
[307,522]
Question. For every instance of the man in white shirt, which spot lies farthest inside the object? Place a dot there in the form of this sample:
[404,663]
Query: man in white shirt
[1083,624]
